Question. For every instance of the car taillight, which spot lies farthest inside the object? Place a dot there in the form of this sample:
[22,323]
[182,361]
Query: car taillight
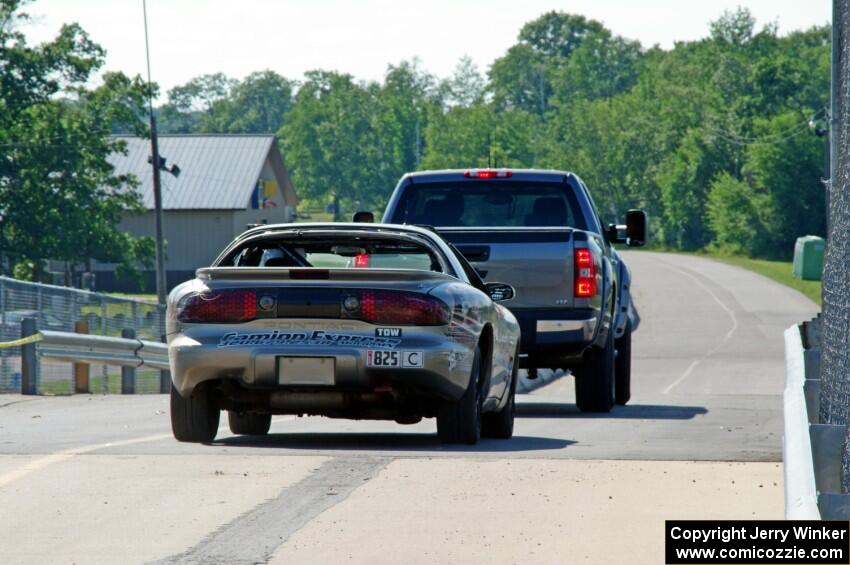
[361,261]
[488,174]
[396,307]
[218,306]
[585,279]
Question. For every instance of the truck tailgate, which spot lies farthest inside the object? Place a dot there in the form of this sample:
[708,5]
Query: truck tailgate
[542,274]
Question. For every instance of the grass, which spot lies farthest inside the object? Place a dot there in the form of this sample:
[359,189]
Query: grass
[141,296]
[147,382]
[779,271]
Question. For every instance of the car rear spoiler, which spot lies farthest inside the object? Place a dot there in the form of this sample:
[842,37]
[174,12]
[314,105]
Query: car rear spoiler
[315,274]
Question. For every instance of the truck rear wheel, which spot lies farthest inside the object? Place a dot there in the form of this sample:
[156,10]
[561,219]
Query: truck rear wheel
[623,367]
[249,423]
[459,421]
[194,419]
[595,380]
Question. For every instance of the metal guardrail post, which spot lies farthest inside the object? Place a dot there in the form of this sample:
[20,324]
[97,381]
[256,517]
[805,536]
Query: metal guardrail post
[5,370]
[104,370]
[81,370]
[29,359]
[165,382]
[128,374]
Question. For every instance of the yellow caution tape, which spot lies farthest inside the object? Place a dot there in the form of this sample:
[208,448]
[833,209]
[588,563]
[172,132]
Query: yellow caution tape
[23,341]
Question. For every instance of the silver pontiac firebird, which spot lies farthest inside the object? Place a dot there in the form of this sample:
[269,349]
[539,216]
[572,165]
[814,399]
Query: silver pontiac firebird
[342,320]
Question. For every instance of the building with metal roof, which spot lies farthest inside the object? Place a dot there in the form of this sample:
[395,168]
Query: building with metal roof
[212,187]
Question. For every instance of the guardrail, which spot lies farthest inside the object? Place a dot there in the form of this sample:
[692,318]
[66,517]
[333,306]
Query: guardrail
[812,451]
[127,351]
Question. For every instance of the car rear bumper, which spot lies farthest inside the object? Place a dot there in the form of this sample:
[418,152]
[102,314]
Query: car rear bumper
[439,368]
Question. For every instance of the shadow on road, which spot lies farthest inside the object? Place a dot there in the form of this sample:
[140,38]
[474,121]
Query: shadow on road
[631,411]
[389,442]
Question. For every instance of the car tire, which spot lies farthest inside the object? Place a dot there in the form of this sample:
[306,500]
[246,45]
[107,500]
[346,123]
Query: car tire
[623,367]
[459,421]
[194,419]
[500,425]
[595,380]
[248,423]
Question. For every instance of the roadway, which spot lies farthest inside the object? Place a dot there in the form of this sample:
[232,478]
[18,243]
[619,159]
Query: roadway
[98,479]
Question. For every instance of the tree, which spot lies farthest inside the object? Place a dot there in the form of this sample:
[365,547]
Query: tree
[256,104]
[329,140]
[190,106]
[480,136]
[523,78]
[59,198]
[467,86]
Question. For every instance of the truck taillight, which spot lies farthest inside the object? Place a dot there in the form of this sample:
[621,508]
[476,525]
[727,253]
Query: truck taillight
[396,307]
[361,261]
[218,306]
[585,278]
[488,174]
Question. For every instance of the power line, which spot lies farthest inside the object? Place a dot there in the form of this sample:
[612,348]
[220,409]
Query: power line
[773,138]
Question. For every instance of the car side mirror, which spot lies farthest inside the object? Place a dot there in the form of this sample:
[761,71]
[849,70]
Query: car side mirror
[364,218]
[500,291]
[636,228]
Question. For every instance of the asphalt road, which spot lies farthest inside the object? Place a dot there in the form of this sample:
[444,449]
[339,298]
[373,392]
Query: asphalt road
[99,479]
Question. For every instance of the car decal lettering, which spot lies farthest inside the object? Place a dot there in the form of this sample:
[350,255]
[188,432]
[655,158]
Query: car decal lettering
[314,338]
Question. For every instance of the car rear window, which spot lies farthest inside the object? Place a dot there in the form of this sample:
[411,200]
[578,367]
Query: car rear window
[490,204]
[333,253]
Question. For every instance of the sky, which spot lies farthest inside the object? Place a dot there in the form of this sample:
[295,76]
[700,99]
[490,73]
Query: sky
[361,37]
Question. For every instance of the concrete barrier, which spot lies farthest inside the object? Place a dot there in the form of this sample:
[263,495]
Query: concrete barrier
[801,500]
[812,451]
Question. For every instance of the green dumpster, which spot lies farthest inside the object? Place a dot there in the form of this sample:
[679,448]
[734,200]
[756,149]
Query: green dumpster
[808,258]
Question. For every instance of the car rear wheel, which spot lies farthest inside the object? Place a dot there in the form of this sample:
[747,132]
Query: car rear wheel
[500,425]
[623,367]
[459,421]
[595,380]
[249,423]
[194,419]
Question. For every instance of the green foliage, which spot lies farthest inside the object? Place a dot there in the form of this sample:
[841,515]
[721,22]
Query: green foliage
[59,198]
[710,136]
[733,215]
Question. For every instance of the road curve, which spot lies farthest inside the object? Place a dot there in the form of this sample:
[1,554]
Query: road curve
[93,478]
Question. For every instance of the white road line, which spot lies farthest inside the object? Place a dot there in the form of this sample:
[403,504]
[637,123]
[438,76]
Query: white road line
[723,342]
[65,454]
[684,376]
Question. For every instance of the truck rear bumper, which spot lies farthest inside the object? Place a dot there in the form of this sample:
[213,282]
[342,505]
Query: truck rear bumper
[562,329]
[555,337]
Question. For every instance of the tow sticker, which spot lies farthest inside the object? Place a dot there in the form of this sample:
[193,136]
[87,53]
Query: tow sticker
[388,332]
[394,359]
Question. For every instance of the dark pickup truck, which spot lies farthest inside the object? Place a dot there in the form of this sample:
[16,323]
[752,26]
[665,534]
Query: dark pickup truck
[539,231]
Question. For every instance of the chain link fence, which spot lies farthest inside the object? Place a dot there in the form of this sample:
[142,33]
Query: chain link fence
[60,308]
[835,361]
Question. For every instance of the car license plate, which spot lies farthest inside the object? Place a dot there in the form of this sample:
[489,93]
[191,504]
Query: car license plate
[306,370]
[380,358]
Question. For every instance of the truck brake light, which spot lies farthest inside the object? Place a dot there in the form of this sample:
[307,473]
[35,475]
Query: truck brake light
[488,174]
[585,274]
[361,261]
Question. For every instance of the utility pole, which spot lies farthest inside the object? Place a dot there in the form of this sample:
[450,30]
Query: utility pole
[157,186]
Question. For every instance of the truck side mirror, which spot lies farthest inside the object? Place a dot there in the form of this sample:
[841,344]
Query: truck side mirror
[636,228]
[364,218]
